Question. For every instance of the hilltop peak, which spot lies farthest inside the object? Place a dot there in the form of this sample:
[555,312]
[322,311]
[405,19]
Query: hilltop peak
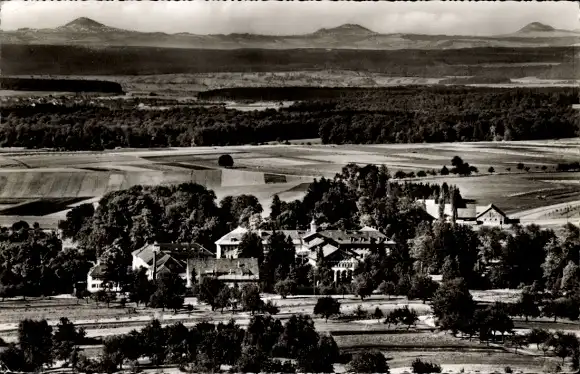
[84,24]
[347,28]
[536,26]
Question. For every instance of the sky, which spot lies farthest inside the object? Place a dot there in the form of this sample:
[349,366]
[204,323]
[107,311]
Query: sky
[287,18]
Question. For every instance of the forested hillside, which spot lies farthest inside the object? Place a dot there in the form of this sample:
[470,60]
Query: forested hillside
[62,85]
[386,115]
[542,62]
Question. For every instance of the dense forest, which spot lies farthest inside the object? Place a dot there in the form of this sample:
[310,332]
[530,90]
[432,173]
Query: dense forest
[59,85]
[387,115]
[74,60]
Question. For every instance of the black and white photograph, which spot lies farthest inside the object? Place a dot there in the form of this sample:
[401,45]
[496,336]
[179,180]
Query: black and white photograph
[289,187]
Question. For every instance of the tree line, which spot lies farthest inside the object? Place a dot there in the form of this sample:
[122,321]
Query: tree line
[63,85]
[386,115]
[266,345]
[129,60]
[457,312]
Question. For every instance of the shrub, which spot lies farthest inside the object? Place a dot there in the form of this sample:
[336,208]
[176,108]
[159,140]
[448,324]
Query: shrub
[326,307]
[400,174]
[369,362]
[226,161]
[421,367]
[508,370]
[360,313]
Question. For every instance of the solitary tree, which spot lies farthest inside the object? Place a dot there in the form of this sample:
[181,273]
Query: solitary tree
[387,288]
[422,287]
[369,362]
[209,289]
[364,285]
[66,339]
[251,298]
[169,293]
[453,304]
[35,338]
[326,307]
[226,161]
[378,313]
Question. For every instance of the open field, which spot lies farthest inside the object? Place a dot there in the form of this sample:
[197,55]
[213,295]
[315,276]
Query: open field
[399,344]
[32,175]
[188,85]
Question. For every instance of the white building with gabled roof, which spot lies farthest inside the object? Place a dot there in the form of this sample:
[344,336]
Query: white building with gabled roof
[342,249]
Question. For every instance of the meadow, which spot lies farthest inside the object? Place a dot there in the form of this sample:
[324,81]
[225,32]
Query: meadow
[27,177]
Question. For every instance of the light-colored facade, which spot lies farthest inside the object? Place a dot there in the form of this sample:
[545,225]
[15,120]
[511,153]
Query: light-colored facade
[341,250]
[468,212]
[492,215]
[168,257]
[95,280]
[164,257]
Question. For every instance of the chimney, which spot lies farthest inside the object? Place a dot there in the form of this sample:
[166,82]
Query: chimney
[313,226]
[154,270]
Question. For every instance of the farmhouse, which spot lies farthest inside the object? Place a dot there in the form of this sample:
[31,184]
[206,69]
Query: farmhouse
[228,270]
[158,259]
[95,279]
[468,212]
[167,257]
[342,250]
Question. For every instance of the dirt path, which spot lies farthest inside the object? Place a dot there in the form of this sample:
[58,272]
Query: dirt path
[538,213]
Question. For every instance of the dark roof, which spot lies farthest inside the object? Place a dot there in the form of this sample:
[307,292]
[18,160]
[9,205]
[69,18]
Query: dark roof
[220,266]
[488,208]
[180,251]
[351,236]
[97,271]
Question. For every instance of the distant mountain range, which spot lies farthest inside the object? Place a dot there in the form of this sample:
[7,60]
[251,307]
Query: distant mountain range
[87,32]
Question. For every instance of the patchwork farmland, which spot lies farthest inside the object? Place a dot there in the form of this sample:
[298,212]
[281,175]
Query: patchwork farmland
[31,181]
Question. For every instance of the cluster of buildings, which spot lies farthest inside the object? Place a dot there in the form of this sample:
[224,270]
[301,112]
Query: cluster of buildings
[340,250]
[469,213]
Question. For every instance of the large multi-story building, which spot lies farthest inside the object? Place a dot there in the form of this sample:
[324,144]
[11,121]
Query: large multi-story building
[342,250]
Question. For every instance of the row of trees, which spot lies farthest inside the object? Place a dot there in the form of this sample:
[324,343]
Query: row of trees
[201,348]
[388,115]
[456,310]
[39,345]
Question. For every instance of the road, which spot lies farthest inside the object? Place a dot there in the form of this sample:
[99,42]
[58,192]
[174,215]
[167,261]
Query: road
[539,213]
